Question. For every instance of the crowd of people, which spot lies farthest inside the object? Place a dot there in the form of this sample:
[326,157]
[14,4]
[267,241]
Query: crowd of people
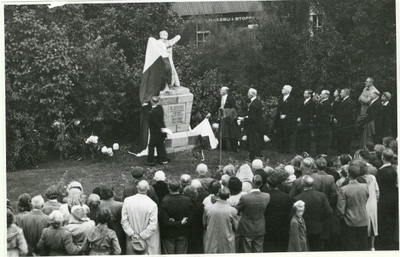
[349,203]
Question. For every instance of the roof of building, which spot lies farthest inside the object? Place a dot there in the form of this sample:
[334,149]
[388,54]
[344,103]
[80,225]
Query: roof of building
[203,8]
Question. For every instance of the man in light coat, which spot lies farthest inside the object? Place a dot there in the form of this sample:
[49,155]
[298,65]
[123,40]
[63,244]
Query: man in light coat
[220,222]
[140,220]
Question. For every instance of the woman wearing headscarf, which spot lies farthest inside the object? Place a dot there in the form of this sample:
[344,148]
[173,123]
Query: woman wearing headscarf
[16,243]
[102,240]
[79,225]
[56,240]
[75,197]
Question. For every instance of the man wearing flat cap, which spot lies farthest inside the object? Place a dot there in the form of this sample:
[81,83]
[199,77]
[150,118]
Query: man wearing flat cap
[157,137]
[137,173]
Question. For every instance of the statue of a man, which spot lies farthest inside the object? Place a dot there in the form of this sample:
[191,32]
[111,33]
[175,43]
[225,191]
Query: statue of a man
[166,45]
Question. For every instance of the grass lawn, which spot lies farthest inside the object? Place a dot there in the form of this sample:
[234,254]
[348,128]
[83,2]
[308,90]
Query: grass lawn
[116,170]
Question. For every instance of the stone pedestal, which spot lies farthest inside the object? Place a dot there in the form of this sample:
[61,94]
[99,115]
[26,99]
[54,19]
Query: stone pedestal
[177,105]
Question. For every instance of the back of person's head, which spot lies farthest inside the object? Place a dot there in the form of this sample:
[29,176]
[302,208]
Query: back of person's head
[370,146]
[393,146]
[24,203]
[10,218]
[345,159]
[256,164]
[363,166]
[94,200]
[106,192]
[143,186]
[104,215]
[307,182]
[202,169]
[235,185]
[387,155]
[289,170]
[364,154]
[56,218]
[74,197]
[353,170]
[52,192]
[296,161]
[37,202]
[185,179]
[97,190]
[159,176]
[386,141]
[229,170]
[387,95]
[174,185]
[196,183]
[215,186]
[344,171]
[307,165]
[225,180]
[379,150]
[257,181]
[191,192]
[275,178]
[224,193]
[321,163]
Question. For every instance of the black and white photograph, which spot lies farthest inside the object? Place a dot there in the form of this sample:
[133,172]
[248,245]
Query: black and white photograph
[199,127]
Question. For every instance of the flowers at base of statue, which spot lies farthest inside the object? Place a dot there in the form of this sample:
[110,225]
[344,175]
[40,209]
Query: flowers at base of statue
[244,138]
[92,139]
[110,152]
[77,122]
[104,149]
[266,139]
[215,126]
[115,146]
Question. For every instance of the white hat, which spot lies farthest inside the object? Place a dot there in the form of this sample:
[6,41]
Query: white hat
[159,176]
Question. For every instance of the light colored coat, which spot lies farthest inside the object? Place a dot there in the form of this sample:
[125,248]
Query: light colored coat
[16,243]
[140,216]
[220,222]
[372,204]
[298,241]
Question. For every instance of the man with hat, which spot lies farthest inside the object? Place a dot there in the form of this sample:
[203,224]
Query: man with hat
[160,186]
[139,219]
[138,175]
[157,137]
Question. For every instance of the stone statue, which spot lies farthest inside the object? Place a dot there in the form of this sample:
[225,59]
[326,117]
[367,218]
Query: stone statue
[166,46]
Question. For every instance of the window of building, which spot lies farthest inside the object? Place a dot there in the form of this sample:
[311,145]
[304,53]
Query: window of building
[316,21]
[201,34]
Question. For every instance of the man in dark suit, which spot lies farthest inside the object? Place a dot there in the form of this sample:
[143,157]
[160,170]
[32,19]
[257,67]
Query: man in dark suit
[388,204]
[352,210]
[387,115]
[285,119]
[344,119]
[373,120]
[226,109]
[157,137]
[174,214]
[317,210]
[252,224]
[304,122]
[276,215]
[253,125]
[321,120]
